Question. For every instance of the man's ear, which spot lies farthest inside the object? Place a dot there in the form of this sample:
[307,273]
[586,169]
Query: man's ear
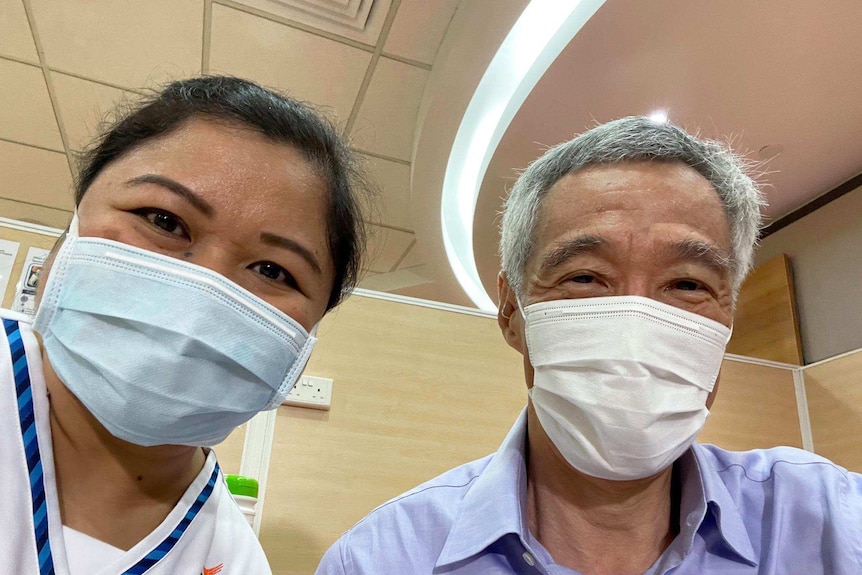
[508,315]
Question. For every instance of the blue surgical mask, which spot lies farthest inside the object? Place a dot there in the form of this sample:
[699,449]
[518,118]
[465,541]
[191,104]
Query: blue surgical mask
[162,351]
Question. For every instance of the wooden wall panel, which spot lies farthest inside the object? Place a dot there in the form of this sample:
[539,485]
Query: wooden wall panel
[755,408]
[834,391]
[418,391]
[765,324]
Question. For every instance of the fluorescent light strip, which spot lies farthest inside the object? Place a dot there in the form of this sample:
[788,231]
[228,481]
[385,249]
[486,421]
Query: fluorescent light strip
[540,34]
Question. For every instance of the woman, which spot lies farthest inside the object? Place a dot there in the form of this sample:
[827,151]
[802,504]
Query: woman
[216,224]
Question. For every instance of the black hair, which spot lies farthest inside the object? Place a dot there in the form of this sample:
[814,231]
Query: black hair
[278,117]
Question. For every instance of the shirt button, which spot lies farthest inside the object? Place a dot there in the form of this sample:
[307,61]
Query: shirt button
[528,559]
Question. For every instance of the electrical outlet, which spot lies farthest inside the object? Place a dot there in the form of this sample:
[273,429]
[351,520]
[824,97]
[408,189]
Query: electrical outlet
[312,392]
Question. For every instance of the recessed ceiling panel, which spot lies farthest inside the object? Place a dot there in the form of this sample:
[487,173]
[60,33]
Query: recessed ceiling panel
[51,217]
[419,28]
[124,42]
[83,105]
[393,182]
[35,176]
[385,248]
[326,73]
[15,37]
[387,118]
[26,114]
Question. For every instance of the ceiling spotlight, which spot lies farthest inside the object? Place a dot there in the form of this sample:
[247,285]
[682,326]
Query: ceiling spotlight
[659,117]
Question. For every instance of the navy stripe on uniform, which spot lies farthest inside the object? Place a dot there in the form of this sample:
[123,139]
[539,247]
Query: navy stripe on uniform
[30,439]
[171,540]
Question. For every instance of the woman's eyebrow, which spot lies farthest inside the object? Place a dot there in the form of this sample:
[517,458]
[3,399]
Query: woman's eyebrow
[294,246]
[182,191]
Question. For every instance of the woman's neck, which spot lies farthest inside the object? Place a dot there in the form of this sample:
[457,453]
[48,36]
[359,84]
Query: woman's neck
[110,489]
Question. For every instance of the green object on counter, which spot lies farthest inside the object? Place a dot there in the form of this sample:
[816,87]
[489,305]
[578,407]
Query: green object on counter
[239,485]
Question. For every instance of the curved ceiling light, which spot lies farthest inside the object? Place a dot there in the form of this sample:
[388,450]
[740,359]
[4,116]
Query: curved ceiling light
[540,34]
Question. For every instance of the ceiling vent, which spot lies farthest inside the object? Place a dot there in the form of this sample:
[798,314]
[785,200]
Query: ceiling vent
[359,20]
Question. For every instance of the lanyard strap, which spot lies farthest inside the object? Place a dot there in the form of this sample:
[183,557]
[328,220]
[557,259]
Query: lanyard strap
[27,418]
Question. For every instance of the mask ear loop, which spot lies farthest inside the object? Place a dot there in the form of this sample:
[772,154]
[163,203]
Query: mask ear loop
[55,278]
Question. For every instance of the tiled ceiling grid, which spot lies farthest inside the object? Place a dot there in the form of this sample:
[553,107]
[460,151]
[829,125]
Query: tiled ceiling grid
[64,65]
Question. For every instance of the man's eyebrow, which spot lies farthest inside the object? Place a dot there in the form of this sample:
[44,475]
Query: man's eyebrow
[704,253]
[294,246]
[568,250]
[191,197]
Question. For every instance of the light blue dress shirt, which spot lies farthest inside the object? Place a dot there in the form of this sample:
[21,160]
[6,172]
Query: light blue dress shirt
[780,511]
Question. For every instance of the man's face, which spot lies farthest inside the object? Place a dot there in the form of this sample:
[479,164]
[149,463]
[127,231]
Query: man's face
[650,229]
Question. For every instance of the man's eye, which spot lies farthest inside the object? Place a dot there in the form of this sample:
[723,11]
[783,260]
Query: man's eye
[688,285]
[274,272]
[583,279]
[165,221]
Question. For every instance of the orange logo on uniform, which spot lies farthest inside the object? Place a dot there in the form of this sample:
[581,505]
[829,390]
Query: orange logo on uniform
[213,570]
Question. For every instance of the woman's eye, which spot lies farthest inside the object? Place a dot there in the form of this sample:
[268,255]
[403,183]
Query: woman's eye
[583,279]
[274,272]
[165,221]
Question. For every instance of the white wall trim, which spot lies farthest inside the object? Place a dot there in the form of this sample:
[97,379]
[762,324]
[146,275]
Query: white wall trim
[256,454]
[423,303]
[834,357]
[32,228]
[802,407]
[758,361]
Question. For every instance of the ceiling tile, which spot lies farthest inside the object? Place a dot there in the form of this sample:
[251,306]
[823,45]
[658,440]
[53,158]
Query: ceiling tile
[393,180]
[308,67]
[385,248]
[35,176]
[83,104]
[125,42]
[396,280]
[43,216]
[26,114]
[412,259]
[419,28]
[15,37]
[388,115]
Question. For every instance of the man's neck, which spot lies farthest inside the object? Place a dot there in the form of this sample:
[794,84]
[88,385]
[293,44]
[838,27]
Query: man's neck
[596,526]
[108,488]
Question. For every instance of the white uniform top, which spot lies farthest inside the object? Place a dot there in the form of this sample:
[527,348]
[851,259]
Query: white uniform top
[206,533]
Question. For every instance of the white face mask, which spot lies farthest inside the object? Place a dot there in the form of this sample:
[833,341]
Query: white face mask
[162,351]
[620,383]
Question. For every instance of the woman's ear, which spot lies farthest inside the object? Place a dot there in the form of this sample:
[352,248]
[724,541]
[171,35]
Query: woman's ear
[508,315]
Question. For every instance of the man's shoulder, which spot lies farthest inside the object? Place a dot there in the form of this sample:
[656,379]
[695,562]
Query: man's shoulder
[760,465]
[409,531]
[780,475]
[433,500]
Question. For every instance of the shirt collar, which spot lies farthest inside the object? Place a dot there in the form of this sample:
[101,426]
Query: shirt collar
[730,524]
[493,506]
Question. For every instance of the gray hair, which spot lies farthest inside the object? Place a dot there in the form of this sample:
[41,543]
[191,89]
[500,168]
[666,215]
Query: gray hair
[633,139]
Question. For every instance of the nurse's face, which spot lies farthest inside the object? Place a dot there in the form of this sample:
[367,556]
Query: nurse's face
[226,198]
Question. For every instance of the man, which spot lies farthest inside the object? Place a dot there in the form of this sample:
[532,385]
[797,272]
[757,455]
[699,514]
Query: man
[623,251]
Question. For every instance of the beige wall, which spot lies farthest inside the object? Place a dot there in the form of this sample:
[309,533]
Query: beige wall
[834,391]
[825,250]
[418,391]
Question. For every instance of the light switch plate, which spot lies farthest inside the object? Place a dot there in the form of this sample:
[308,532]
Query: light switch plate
[312,392]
